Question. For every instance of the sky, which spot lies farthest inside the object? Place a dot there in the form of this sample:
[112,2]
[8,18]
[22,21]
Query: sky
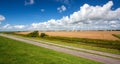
[20,15]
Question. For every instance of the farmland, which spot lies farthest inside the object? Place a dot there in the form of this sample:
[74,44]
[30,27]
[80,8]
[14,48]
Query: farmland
[106,35]
[104,45]
[110,44]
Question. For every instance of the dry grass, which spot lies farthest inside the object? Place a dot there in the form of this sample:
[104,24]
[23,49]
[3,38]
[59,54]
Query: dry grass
[23,33]
[106,35]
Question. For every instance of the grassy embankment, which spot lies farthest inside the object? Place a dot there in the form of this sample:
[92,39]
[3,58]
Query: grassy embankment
[16,52]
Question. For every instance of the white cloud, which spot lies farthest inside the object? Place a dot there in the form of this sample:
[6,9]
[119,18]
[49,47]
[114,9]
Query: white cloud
[13,27]
[2,18]
[7,26]
[61,9]
[88,17]
[29,2]
[19,26]
[42,10]
[64,1]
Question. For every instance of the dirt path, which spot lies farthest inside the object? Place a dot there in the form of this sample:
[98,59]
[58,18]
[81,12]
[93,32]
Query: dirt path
[98,58]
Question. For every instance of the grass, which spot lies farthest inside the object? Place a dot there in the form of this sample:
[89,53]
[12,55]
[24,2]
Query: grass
[116,35]
[81,45]
[85,41]
[113,51]
[16,52]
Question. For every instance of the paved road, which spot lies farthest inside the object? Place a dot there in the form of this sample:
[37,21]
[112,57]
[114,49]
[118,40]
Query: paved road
[98,58]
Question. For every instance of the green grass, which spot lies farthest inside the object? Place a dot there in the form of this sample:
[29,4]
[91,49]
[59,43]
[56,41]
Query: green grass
[113,51]
[91,42]
[16,52]
[116,35]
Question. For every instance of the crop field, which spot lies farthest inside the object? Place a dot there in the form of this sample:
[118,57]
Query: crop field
[16,52]
[106,35]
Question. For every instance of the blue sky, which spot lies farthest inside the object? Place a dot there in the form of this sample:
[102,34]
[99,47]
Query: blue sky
[56,14]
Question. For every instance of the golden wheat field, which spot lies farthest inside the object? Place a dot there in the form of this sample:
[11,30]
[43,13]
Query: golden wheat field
[106,35]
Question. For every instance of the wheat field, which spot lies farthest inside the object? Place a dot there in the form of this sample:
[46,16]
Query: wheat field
[106,35]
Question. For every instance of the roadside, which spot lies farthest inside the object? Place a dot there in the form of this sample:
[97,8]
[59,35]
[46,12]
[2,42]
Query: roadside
[116,56]
[98,58]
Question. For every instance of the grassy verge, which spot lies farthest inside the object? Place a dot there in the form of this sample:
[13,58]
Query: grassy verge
[16,52]
[91,42]
[113,51]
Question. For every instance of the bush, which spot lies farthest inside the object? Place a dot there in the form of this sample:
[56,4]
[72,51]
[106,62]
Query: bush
[33,34]
[43,35]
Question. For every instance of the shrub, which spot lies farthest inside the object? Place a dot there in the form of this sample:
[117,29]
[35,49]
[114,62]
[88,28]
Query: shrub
[33,34]
[43,35]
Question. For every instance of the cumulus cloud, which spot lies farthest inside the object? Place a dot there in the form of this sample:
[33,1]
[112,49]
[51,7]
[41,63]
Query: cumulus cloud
[2,18]
[87,17]
[7,26]
[19,26]
[13,27]
[29,2]
[61,8]
[42,10]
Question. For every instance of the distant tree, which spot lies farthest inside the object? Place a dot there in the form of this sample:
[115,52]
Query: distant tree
[33,34]
[43,35]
